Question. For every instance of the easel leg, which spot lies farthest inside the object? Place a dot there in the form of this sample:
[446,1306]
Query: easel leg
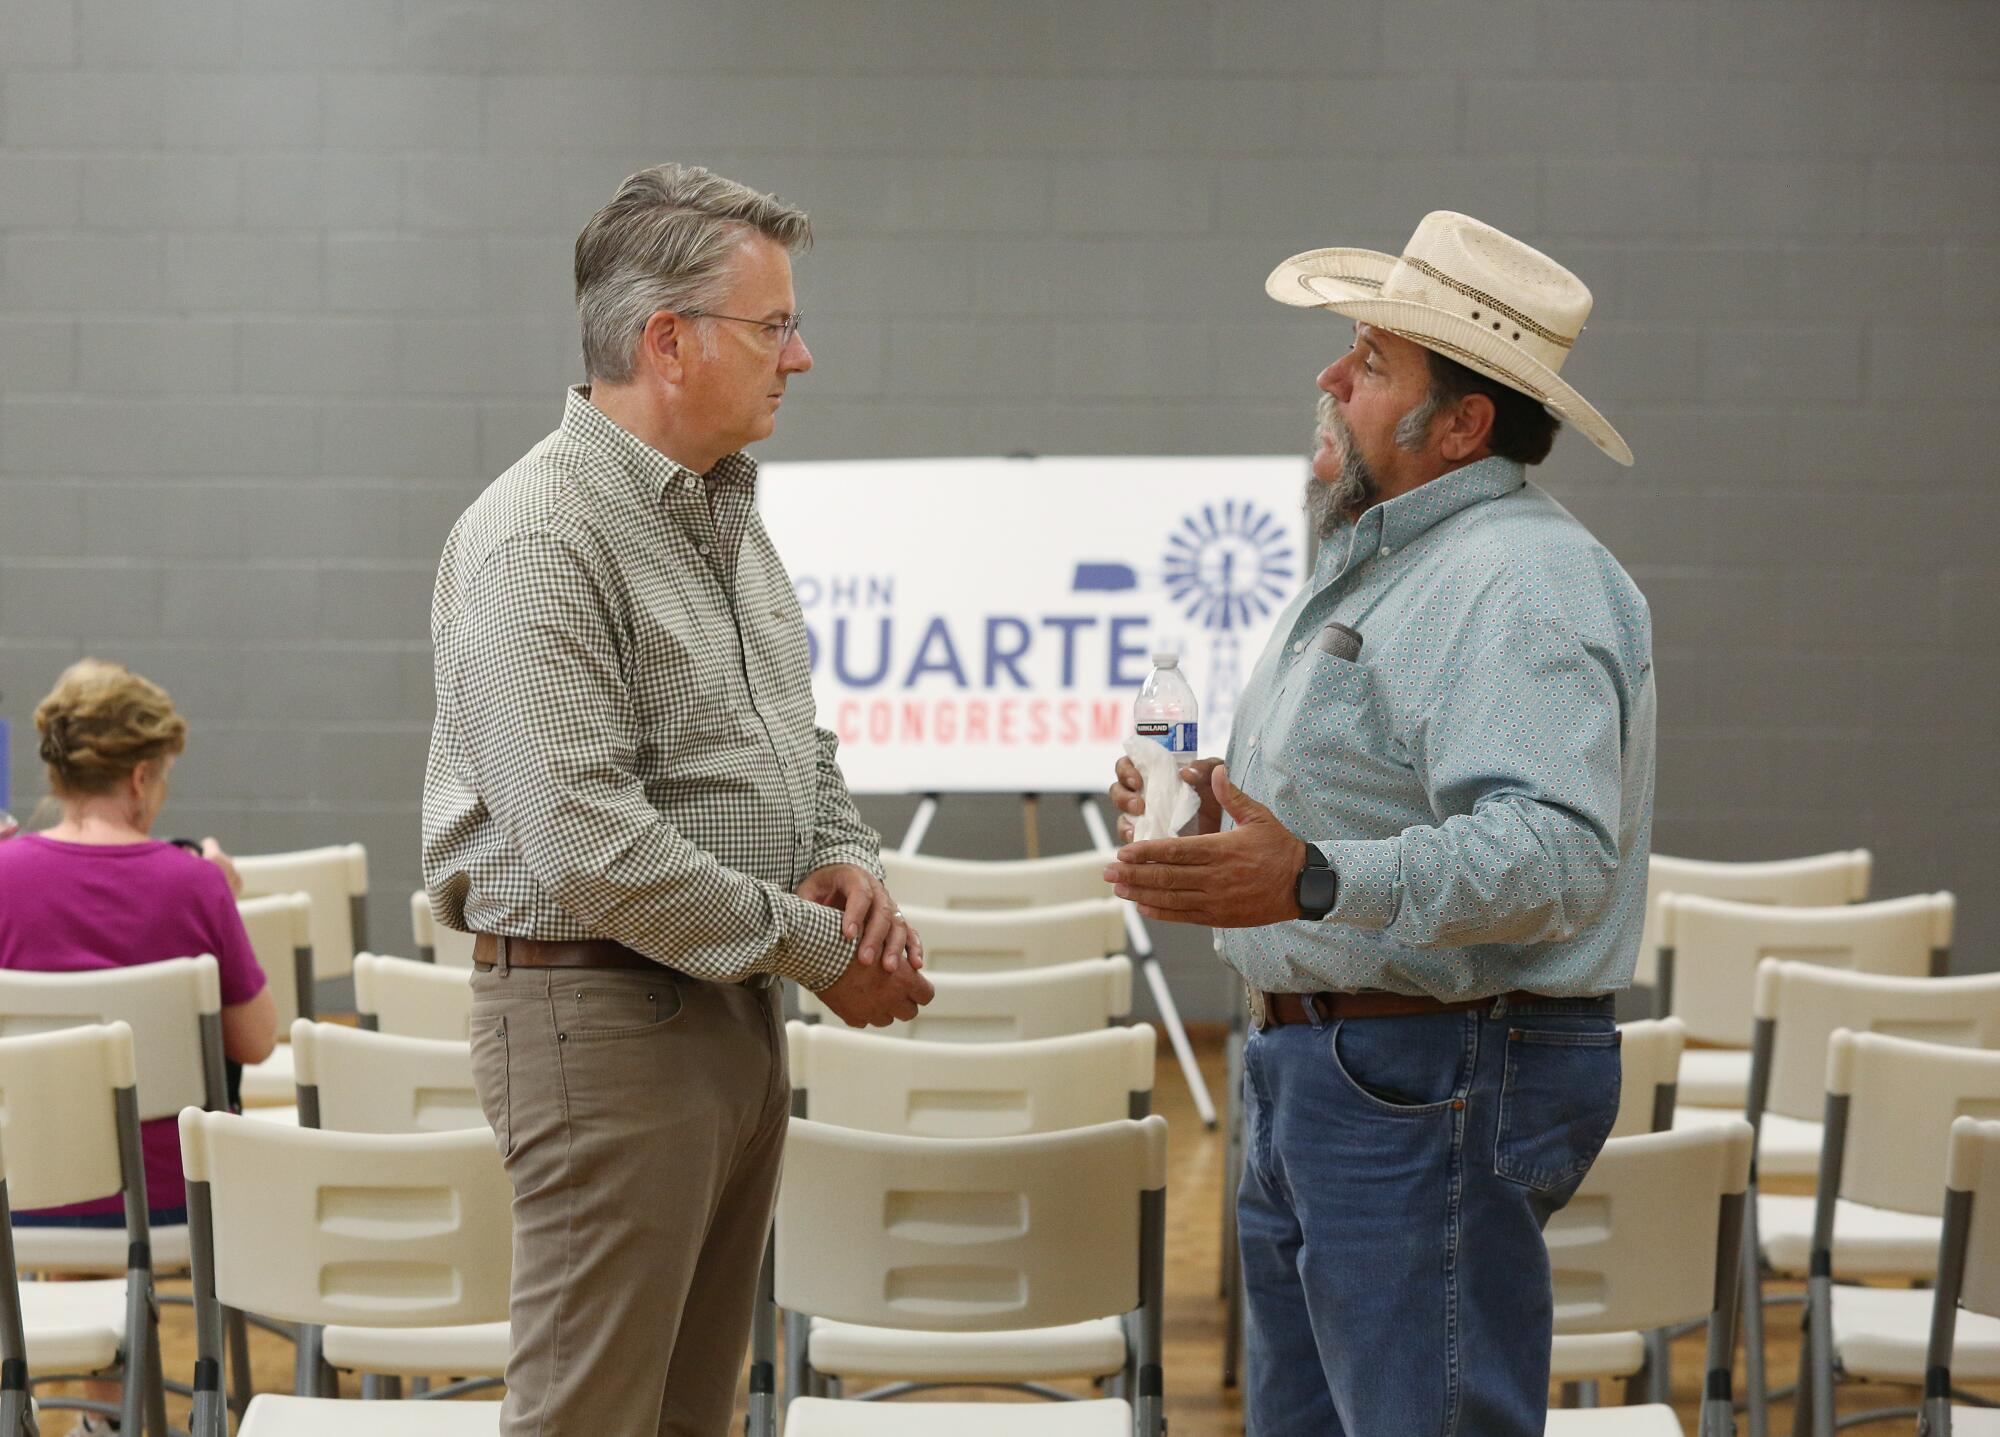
[920,824]
[1156,978]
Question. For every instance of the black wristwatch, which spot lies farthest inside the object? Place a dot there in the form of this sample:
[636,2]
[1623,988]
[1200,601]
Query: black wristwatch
[1317,886]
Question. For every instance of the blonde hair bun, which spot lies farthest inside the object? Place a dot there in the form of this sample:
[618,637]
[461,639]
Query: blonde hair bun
[100,722]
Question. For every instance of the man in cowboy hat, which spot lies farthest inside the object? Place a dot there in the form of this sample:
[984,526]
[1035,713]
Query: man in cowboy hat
[1426,855]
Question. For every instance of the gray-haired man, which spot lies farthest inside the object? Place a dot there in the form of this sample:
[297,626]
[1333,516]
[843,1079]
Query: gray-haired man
[628,800]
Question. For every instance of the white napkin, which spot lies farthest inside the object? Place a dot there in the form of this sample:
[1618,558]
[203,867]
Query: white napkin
[1170,802]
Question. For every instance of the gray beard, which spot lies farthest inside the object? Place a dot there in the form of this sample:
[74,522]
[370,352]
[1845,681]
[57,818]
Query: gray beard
[1330,504]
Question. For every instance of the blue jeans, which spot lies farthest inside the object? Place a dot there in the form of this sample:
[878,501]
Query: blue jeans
[1397,1177]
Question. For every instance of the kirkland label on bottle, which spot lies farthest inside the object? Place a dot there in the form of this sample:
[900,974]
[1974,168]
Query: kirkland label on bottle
[1173,737]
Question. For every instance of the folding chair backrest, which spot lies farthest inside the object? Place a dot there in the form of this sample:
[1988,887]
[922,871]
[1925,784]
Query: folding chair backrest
[415,1000]
[962,941]
[280,929]
[173,1008]
[1901,1098]
[446,947]
[1973,1168]
[1647,1241]
[969,1090]
[1806,1004]
[1718,944]
[336,880]
[1008,1007]
[965,1235]
[59,1114]
[1820,881]
[1650,1061]
[1007,883]
[354,1081]
[382,1230]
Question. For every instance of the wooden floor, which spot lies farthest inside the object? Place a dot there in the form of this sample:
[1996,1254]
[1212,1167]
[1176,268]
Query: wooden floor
[1197,1403]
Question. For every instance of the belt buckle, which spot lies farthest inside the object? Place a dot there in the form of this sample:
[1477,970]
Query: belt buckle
[1259,1009]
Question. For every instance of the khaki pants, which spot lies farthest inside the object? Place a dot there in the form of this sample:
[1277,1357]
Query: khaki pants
[642,1118]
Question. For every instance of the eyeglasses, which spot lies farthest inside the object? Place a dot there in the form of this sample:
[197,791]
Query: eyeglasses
[784,328]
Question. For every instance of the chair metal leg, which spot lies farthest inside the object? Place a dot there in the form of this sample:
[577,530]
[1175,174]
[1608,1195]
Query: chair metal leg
[238,1333]
[1756,1379]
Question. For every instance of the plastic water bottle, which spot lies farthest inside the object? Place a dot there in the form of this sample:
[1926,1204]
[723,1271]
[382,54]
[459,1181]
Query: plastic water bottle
[1165,709]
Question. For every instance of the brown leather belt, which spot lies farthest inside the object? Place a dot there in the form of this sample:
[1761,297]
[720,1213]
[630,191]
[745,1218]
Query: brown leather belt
[534,953]
[1276,1010]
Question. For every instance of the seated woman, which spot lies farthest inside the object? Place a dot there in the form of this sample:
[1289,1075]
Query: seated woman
[96,891]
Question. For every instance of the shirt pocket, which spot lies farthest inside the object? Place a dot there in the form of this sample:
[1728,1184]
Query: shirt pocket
[1558,1101]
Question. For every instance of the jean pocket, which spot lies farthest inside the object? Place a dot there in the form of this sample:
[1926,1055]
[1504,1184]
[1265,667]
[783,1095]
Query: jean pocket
[1558,1101]
[492,1075]
[599,1009]
[1395,1067]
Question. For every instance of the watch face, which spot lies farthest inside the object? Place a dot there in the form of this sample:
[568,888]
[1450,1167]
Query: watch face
[1317,887]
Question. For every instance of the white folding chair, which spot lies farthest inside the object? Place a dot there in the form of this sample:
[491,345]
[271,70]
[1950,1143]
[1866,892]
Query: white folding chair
[1649,1055]
[69,1107]
[1653,1238]
[415,1000]
[1890,1103]
[355,1081]
[1008,1007]
[959,940]
[1823,880]
[1797,1010]
[446,947]
[280,929]
[1968,1273]
[962,1237]
[336,880]
[1709,952]
[324,1228]
[1004,883]
[961,1090]
[174,1009]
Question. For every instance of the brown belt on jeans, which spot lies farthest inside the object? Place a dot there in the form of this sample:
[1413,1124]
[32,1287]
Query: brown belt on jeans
[1276,1010]
[534,953]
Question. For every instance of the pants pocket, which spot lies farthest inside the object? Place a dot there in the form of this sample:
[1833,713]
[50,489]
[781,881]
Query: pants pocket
[492,1076]
[1400,1065]
[1558,1101]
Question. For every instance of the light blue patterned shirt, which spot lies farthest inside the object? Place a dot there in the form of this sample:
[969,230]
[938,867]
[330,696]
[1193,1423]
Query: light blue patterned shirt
[1481,780]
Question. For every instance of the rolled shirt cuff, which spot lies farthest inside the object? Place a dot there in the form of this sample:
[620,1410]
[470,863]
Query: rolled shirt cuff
[1370,876]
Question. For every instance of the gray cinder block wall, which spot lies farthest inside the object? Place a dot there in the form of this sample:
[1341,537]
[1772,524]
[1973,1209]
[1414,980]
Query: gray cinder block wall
[284,282]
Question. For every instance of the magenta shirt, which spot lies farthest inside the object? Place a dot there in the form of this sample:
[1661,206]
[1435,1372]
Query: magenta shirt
[76,907]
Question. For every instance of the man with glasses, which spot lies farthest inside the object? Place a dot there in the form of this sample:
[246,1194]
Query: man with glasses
[628,801]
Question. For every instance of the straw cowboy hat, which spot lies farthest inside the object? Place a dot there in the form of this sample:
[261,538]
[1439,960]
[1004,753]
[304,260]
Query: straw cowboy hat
[1471,293]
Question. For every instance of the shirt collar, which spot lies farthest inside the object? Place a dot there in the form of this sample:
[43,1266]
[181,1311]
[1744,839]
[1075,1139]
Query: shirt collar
[662,476]
[1400,521]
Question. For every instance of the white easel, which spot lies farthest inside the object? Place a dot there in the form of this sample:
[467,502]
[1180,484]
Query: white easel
[1135,930]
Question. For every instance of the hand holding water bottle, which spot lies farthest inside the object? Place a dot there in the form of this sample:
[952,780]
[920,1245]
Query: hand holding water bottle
[1165,714]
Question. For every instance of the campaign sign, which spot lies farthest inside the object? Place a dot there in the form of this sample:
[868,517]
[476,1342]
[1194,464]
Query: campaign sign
[984,624]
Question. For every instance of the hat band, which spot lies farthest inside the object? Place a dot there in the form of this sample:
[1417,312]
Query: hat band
[1513,380]
[1561,341]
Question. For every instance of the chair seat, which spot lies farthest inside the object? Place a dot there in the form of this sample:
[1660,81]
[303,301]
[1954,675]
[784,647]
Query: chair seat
[271,1083]
[1867,1241]
[95,1249]
[288,1115]
[1786,1147]
[273,1416]
[1975,1422]
[476,1350]
[1578,1356]
[1882,1332]
[1652,1420]
[1083,1349]
[1715,1078]
[821,1417]
[74,1326]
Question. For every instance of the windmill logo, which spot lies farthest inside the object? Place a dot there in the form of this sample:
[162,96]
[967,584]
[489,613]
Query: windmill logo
[1226,567]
